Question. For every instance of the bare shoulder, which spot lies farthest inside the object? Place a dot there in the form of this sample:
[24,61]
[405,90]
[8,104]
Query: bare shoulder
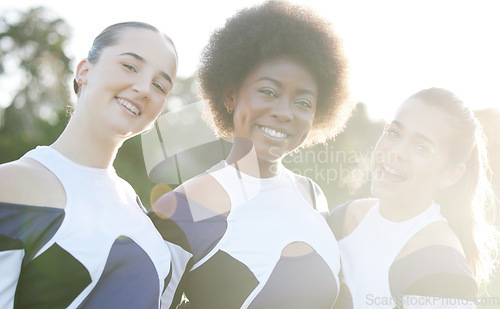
[355,213]
[437,233]
[207,192]
[27,182]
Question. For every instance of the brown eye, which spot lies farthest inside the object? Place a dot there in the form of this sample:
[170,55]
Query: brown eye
[304,103]
[130,67]
[391,133]
[423,149]
[159,87]
[268,92]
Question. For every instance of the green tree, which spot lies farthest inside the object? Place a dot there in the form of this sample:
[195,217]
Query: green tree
[32,49]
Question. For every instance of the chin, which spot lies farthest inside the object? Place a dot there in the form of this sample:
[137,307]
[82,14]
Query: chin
[381,192]
[269,158]
[270,154]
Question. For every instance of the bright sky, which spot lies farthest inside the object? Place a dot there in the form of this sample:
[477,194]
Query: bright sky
[395,47]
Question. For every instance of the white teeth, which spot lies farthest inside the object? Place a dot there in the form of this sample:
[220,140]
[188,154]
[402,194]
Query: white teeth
[129,106]
[273,133]
[392,171]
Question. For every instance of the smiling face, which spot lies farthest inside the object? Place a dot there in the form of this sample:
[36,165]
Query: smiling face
[125,89]
[275,107]
[412,158]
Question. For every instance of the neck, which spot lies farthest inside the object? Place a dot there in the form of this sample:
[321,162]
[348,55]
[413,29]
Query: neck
[243,157]
[403,210]
[87,146]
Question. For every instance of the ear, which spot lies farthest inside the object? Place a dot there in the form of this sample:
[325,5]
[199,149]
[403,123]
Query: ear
[230,98]
[82,71]
[452,175]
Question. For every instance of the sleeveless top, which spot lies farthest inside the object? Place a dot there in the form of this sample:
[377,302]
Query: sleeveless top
[100,251]
[235,261]
[373,279]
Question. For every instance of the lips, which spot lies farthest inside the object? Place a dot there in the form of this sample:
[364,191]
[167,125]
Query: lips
[131,106]
[387,173]
[274,133]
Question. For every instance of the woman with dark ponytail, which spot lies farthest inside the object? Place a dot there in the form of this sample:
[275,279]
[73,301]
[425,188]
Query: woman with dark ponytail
[423,241]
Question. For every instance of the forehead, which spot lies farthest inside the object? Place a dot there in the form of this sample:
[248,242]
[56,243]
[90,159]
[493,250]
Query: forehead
[148,44]
[287,70]
[418,117]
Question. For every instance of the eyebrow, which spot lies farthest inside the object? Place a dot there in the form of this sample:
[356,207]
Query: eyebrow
[419,135]
[141,59]
[280,84]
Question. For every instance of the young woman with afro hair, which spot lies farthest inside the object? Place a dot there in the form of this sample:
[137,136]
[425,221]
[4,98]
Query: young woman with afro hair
[251,233]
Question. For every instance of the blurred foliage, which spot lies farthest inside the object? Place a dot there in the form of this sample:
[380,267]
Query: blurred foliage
[33,44]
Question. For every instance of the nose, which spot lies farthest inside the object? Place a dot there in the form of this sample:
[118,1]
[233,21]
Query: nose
[281,109]
[142,86]
[398,152]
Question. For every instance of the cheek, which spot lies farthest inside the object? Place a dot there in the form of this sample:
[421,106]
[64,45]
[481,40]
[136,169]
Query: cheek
[156,106]
[428,167]
[161,104]
[239,119]
[244,112]
[306,122]
[425,180]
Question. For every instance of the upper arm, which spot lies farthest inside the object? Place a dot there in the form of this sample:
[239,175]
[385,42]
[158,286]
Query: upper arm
[437,272]
[192,216]
[208,193]
[191,220]
[27,182]
[437,233]
[24,229]
[433,265]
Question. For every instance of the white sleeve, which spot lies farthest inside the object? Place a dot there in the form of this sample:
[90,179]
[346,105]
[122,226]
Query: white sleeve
[10,268]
